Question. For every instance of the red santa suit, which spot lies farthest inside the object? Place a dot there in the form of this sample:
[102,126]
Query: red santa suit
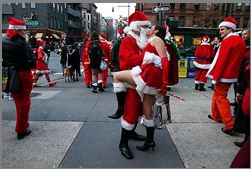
[41,67]
[224,71]
[203,53]
[129,57]
[86,65]
[106,48]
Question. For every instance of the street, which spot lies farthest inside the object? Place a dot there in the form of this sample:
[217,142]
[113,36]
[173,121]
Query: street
[70,129]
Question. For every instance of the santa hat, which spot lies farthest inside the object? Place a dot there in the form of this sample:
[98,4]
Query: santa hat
[205,39]
[229,22]
[40,42]
[103,36]
[16,24]
[136,20]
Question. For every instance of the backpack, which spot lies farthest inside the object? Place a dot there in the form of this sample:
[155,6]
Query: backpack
[95,50]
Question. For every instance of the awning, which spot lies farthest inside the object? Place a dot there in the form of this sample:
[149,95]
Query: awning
[55,36]
[39,35]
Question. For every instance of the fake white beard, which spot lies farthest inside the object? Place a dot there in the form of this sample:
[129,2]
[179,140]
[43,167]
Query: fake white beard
[142,41]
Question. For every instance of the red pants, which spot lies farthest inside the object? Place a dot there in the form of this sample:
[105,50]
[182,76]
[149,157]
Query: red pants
[23,101]
[200,75]
[133,107]
[88,74]
[221,106]
[104,77]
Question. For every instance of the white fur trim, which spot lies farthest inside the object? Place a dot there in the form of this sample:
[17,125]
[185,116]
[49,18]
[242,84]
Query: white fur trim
[201,66]
[42,71]
[133,35]
[227,24]
[126,125]
[136,70]
[213,82]
[136,24]
[100,81]
[148,58]
[148,123]
[205,43]
[228,80]
[17,27]
[197,82]
[94,84]
[119,87]
[126,29]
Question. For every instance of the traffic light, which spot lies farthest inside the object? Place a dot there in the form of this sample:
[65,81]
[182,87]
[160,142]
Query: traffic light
[34,16]
[113,9]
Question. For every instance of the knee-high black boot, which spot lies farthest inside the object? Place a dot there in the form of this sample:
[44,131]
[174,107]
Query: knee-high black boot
[100,87]
[136,136]
[121,103]
[149,143]
[123,145]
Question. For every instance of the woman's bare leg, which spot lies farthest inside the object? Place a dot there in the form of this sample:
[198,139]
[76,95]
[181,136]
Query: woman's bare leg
[148,102]
[124,76]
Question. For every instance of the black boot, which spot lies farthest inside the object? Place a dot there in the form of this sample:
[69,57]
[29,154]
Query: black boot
[94,88]
[202,88]
[196,86]
[121,102]
[136,136]
[149,143]
[123,145]
[100,87]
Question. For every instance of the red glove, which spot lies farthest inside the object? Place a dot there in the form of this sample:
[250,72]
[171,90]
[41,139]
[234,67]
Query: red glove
[165,67]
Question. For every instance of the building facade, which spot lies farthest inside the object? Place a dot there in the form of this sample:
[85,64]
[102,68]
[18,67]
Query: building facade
[56,19]
[193,14]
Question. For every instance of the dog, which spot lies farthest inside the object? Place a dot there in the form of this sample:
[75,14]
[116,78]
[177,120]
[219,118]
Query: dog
[70,74]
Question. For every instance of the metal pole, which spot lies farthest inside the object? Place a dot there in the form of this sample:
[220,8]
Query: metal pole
[128,10]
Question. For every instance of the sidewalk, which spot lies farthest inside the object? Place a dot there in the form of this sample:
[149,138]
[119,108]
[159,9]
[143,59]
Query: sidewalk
[65,135]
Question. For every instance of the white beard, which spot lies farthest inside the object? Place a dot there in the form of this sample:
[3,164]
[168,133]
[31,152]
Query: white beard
[142,41]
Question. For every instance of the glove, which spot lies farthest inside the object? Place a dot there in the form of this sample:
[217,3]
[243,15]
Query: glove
[151,58]
[165,67]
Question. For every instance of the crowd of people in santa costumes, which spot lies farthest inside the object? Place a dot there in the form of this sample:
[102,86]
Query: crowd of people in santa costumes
[204,54]
[18,53]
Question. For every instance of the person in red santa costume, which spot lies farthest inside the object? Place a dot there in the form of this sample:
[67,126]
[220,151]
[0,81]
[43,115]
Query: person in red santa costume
[18,53]
[224,71]
[107,57]
[86,63]
[204,54]
[41,67]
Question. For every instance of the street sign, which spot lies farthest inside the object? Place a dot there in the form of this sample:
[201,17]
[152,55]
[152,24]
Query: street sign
[157,9]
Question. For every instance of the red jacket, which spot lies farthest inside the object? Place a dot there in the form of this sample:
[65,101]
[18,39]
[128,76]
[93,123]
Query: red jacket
[129,53]
[106,51]
[204,54]
[226,64]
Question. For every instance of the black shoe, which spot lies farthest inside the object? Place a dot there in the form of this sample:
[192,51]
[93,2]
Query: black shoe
[89,86]
[232,104]
[115,116]
[227,131]
[125,151]
[137,137]
[22,135]
[146,146]
[239,144]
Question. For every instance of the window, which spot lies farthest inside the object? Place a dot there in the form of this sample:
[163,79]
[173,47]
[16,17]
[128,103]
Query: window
[62,10]
[247,7]
[182,6]
[238,7]
[23,5]
[237,22]
[197,7]
[172,6]
[182,21]
[58,8]
[53,5]
[33,5]
[246,23]
[194,20]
